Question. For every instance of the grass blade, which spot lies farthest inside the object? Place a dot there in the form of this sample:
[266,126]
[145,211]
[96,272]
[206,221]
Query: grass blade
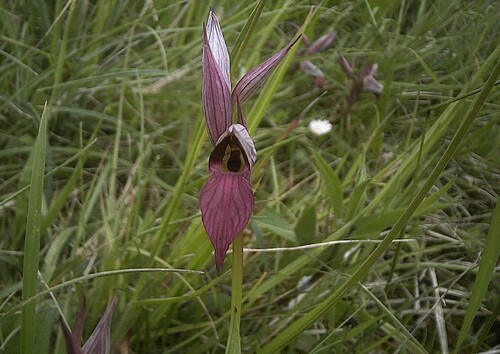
[262,103]
[32,240]
[332,183]
[486,270]
[244,36]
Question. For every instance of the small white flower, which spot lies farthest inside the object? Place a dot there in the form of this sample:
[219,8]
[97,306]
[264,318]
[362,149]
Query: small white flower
[320,126]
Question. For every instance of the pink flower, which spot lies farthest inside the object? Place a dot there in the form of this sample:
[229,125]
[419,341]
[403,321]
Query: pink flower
[312,48]
[364,79]
[226,201]
[99,341]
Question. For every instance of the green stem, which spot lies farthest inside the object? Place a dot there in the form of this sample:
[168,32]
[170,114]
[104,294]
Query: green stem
[234,341]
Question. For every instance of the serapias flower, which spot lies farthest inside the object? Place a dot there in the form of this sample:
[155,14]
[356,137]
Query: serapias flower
[227,201]
[363,80]
[320,126]
[312,48]
[99,341]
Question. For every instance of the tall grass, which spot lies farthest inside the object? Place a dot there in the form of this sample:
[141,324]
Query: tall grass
[126,156]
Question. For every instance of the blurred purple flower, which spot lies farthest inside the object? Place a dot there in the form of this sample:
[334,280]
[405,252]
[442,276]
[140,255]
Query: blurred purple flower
[318,45]
[226,201]
[99,341]
[363,80]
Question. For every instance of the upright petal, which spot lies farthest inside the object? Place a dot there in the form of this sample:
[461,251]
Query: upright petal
[241,115]
[372,85]
[78,326]
[369,83]
[321,43]
[72,344]
[255,78]
[218,46]
[244,140]
[346,67]
[74,338]
[368,70]
[99,341]
[240,134]
[310,68]
[226,204]
[216,94]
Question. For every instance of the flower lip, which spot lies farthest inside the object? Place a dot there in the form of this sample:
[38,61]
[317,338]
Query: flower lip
[240,134]
[226,204]
[234,151]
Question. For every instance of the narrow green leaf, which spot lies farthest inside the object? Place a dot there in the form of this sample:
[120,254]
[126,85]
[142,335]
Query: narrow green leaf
[333,185]
[271,220]
[32,240]
[356,198]
[262,103]
[486,270]
[58,203]
[244,36]
[305,229]
[487,327]
[191,295]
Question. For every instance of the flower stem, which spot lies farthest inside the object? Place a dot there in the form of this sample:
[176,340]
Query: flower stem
[234,340]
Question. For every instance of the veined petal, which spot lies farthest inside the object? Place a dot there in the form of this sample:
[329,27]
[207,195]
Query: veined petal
[100,339]
[321,43]
[216,95]
[368,70]
[372,85]
[346,67]
[244,140]
[218,46]
[72,343]
[310,68]
[255,78]
[226,204]
[73,338]
[241,115]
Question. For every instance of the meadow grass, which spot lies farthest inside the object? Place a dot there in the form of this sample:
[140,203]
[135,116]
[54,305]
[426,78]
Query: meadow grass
[382,235]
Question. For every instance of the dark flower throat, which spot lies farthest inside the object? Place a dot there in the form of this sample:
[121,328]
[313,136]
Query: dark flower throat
[233,159]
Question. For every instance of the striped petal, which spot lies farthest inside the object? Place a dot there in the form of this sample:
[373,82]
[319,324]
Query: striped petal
[310,68]
[226,204]
[216,94]
[226,201]
[255,78]
[346,67]
[218,46]
[240,134]
[321,43]
[99,341]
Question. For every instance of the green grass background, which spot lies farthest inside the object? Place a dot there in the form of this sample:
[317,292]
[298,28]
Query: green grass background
[103,152]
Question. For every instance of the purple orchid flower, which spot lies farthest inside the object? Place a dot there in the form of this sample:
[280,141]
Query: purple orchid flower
[226,201]
[312,48]
[363,80]
[99,341]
